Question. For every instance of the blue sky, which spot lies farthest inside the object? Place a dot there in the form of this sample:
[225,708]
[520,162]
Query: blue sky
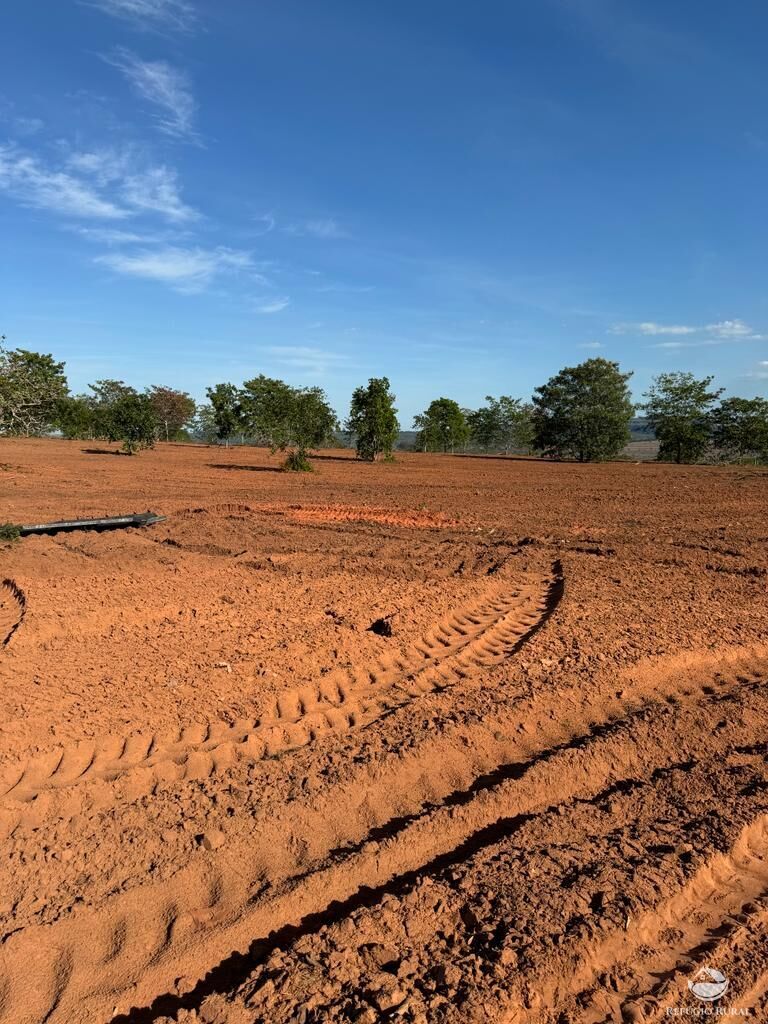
[464,197]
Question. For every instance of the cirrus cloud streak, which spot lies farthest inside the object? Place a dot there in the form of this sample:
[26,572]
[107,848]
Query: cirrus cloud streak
[185,269]
[150,14]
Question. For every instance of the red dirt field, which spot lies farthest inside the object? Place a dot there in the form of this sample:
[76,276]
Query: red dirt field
[536,792]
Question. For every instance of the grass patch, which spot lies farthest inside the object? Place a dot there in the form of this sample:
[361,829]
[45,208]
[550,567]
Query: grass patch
[297,462]
[9,532]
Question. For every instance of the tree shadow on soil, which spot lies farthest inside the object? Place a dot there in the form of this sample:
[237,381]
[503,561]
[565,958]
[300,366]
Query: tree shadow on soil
[102,451]
[250,469]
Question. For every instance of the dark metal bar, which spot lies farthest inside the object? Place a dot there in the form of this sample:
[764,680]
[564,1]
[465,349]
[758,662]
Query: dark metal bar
[108,523]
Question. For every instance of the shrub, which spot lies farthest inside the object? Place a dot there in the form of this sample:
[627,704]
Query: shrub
[297,462]
[9,532]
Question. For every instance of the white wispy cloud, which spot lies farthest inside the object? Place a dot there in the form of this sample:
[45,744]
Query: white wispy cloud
[649,327]
[683,344]
[150,14]
[630,34]
[709,334]
[323,227]
[760,372]
[18,124]
[28,125]
[305,357]
[146,189]
[164,86]
[102,163]
[117,236]
[731,329]
[274,305]
[592,344]
[29,180]
[722,333]
[266,223]
[332,286]
[157,191]
[185,269]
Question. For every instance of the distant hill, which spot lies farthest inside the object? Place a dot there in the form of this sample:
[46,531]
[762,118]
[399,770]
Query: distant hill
[641,450]
[406,439]
[640,429]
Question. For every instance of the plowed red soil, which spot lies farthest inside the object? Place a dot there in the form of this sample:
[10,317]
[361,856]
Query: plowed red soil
[450,740]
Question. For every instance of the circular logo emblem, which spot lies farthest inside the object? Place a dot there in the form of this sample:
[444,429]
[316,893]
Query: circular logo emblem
[708,984]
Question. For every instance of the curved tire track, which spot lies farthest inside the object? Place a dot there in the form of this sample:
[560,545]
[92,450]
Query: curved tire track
[460,647]
[134,946]
[723,905]
[13,607]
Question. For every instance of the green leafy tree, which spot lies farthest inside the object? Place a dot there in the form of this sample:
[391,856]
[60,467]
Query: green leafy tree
[173,410]
[426,438]
[518,424]
[313,425]
[739,428]
[107,394]
[76,417]
[484,426]
[583,412]
[678,407]
[290,419]
[107,391]
[442,426]
[31,387]
[203,426]
[227,410]
[131,419]
[504,423]
[268,406]
[373,419]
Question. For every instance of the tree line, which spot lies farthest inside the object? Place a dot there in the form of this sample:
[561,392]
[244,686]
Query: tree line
[582,413]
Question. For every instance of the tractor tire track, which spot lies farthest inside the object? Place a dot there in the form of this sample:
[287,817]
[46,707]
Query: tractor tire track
[13,607]
[722,907]
[459,648]
[205,918]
